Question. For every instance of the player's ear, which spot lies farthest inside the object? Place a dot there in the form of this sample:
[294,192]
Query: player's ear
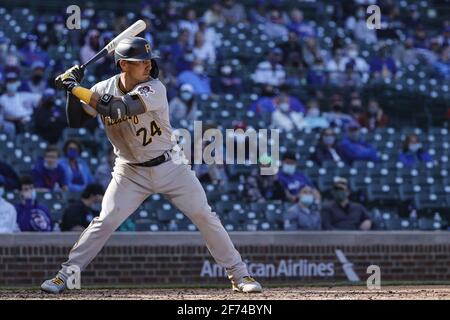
[122,65]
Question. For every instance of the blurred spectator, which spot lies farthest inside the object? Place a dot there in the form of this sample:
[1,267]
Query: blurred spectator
[270,104]
[352,55]
[412,18]
[326,148]
[81,213]
[211,36]
[317,76]
[405,53]
[305,214]
[47,173]
[421,40]
[350,78]
[214,14]
[261,188]
[275,27]
[335,66]
[211,173]
[31,215]
[353,148]
[288,112]
[37,82]
[91,46]
[49,120]
[178,52]
[197,78]
[374,117]
[202,50]
[341,214]
[190,23]
[270,72]
[292,180]
[183,107]
[6,126]
[76,169]
[32,53]
[8,214]
[413,152]
[358,25]
[297,25]
[233,12]
[314,118]
[258,12]
[9,176]
[337,117]
[442,65]
[18,106]
[227,81]
[382,65]
[292,50]
[356,107]
[312,52]
[103,172]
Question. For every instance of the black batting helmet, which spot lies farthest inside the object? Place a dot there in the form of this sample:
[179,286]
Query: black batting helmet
[135,49]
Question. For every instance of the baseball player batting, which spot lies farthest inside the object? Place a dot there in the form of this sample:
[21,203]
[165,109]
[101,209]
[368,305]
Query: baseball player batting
[134,109]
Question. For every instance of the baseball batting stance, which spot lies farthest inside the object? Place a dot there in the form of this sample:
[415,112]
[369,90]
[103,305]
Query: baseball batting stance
[134,109]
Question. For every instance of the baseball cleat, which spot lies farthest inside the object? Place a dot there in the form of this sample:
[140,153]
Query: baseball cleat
[55,285]
[247,285]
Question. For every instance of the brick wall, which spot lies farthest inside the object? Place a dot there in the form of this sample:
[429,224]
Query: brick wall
[169,258]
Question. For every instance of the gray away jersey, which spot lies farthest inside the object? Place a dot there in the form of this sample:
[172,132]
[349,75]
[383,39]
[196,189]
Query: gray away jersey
[143,137]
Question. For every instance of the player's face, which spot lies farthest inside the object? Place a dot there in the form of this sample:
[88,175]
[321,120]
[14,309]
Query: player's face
[138,70]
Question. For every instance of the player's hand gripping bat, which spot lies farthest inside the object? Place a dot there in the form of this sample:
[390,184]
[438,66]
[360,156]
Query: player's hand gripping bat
[131,31]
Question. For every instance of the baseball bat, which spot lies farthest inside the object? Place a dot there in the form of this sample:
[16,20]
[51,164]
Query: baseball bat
[131,31]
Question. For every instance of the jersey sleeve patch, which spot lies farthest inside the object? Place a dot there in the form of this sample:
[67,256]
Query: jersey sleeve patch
[146,90]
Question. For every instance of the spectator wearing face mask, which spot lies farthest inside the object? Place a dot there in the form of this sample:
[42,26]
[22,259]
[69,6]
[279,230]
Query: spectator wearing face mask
[49,119]
[228,81]
[353,148]
[374,117]
[326,148]
[341,214]
[314,118]
[183,108]
[285,117]
[288,112]
[8,214]
[31,215]
[270,72]
[292,180]
[413,152]
[76,169]
[47,173]
[197,78]
[37,83]
[81,213]
[305,214]
[18,106]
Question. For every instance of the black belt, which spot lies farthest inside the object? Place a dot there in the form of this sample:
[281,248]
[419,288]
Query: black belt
[155,161]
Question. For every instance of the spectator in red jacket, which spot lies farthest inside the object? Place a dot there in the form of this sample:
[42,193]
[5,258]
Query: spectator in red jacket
[373,117]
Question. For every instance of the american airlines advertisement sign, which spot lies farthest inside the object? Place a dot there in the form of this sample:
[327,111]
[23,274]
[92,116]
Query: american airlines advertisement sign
[288,268]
